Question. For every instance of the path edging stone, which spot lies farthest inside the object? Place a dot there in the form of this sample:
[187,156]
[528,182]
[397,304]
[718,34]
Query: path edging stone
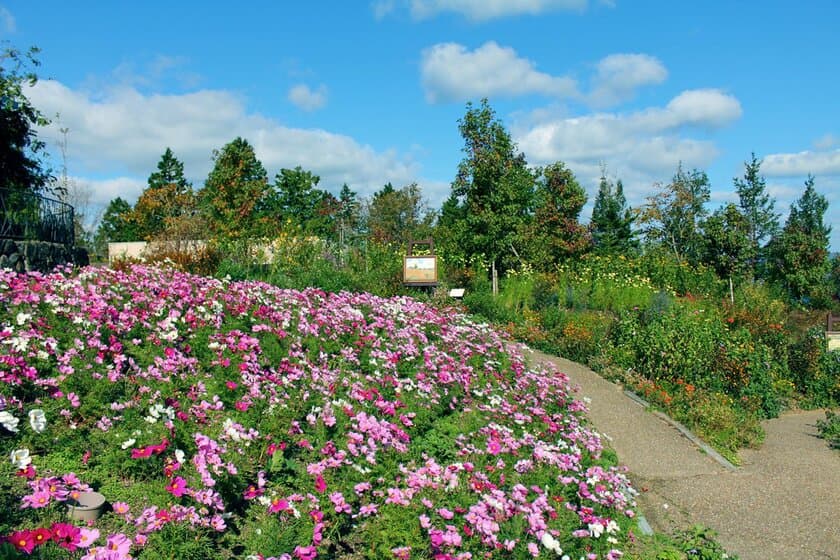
[684,431]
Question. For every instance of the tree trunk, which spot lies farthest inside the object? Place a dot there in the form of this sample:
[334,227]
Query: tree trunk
[495,280]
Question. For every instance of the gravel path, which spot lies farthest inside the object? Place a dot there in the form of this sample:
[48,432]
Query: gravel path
[782,502]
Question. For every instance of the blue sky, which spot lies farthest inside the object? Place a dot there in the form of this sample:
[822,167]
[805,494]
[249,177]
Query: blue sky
[369,92]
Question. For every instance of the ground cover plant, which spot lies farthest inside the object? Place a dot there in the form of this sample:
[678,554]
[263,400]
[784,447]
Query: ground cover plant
[667,331]
[830,428]
[237,419]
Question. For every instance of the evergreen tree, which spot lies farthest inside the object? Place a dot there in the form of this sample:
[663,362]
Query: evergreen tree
[612,220]
[170,170]
[349,211]
[235,190]
[757,207]
[555,234]
[168,194]
[799,253]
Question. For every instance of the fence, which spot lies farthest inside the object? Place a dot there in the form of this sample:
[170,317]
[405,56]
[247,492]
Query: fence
[28,216]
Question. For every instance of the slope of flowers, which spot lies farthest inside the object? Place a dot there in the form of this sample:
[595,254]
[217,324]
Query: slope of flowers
[241,420]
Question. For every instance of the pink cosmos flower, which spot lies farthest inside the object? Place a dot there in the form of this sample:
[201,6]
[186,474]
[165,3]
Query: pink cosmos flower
[119,544]
[320,484]
[120,508]
[278,505]
[306,552]
[177,487]
[87,537]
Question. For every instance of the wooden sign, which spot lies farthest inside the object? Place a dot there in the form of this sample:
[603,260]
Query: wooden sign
[420,270]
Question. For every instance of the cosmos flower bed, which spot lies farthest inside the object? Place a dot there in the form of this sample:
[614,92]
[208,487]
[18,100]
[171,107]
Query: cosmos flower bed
[236,419]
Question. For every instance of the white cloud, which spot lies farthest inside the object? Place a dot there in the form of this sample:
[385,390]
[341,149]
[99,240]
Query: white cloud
[619,75]
[121,132]
[303,97]
[102,191]
[7,21]
[802,163]
[382,8]
[826,141]
[482,10]
[641,147]
[449,72]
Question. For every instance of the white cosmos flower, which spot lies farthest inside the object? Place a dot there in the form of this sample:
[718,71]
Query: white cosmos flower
[20,458]
[551,543]
[8,421]
[38,420]
[180,455]
[596,529]
[128,443]
[22,318]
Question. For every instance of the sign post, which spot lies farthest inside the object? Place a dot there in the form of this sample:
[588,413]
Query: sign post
[420,270]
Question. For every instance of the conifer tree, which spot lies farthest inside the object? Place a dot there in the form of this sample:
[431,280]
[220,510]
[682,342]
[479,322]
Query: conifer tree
[612,220]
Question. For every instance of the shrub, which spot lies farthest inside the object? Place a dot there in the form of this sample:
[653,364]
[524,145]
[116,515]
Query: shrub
[815,371]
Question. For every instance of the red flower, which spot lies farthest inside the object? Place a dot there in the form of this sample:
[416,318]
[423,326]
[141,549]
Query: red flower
[23,540]
[41,535]
[67,536]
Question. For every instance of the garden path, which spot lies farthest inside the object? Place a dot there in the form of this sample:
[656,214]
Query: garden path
[782,502]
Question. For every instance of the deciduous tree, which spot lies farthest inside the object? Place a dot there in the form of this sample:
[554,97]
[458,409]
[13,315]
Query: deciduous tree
[20,149]
[672,216]
[555,234]
[493,193]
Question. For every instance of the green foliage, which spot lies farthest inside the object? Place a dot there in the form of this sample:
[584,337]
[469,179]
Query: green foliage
[830,429]
[555,234]
[20,149]
[799,254]
[165,205]
[398,215]
[671,218]
[762,221]
[296,200]
[726,243]
[116,225]
[234,190]
[612,220]
[815,370]
[492,195]
[170,170]
[181,541]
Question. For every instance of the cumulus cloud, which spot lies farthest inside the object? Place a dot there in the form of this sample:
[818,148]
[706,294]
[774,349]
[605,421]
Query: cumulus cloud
[122,132]
[619,75]
[483,10]
[450,72]
[641,147]
[303,97]
[7,21]
[102,191]
[802,163]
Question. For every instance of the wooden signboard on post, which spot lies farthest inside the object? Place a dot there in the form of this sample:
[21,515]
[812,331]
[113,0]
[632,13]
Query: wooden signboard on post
[420,270]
